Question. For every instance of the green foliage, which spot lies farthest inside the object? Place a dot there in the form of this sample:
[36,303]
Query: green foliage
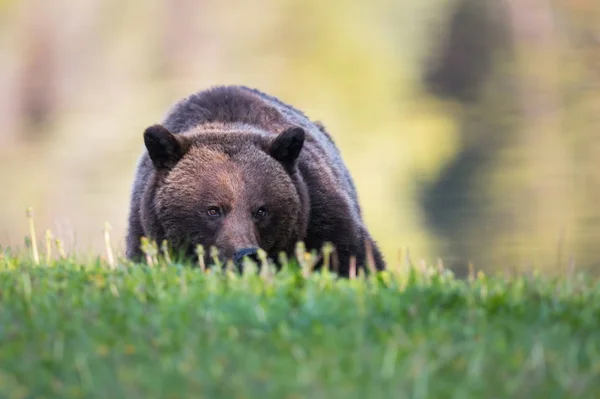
[72,329]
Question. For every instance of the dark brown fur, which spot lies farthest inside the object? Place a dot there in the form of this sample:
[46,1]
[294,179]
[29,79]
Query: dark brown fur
[240,150]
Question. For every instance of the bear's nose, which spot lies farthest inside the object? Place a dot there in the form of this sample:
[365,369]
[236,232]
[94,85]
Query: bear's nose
[251,253]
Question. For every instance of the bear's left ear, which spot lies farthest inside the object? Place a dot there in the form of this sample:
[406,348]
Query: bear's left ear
[164,148]
[287,146]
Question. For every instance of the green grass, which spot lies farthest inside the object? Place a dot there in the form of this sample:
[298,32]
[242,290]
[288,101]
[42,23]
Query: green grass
[73,329]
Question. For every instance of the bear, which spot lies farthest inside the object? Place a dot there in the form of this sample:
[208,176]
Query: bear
[237,169]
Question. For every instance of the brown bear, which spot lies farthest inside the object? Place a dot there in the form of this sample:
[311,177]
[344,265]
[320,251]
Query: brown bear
[237,169]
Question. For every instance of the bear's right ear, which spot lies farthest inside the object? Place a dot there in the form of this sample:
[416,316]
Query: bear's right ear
[164,148]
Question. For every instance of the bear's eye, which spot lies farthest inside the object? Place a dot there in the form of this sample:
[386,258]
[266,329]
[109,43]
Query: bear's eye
[213,211]
[260,213]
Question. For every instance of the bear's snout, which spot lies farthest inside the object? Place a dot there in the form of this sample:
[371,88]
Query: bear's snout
[251,253]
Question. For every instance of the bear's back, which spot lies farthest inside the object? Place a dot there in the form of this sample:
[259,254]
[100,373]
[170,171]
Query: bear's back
[231,104]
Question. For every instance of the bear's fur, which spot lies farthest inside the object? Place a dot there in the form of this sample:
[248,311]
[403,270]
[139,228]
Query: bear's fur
[236,168]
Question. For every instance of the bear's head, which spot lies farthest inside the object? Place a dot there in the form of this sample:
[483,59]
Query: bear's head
[237,191]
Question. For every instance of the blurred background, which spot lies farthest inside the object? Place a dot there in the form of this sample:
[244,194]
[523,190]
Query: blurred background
[471,127]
